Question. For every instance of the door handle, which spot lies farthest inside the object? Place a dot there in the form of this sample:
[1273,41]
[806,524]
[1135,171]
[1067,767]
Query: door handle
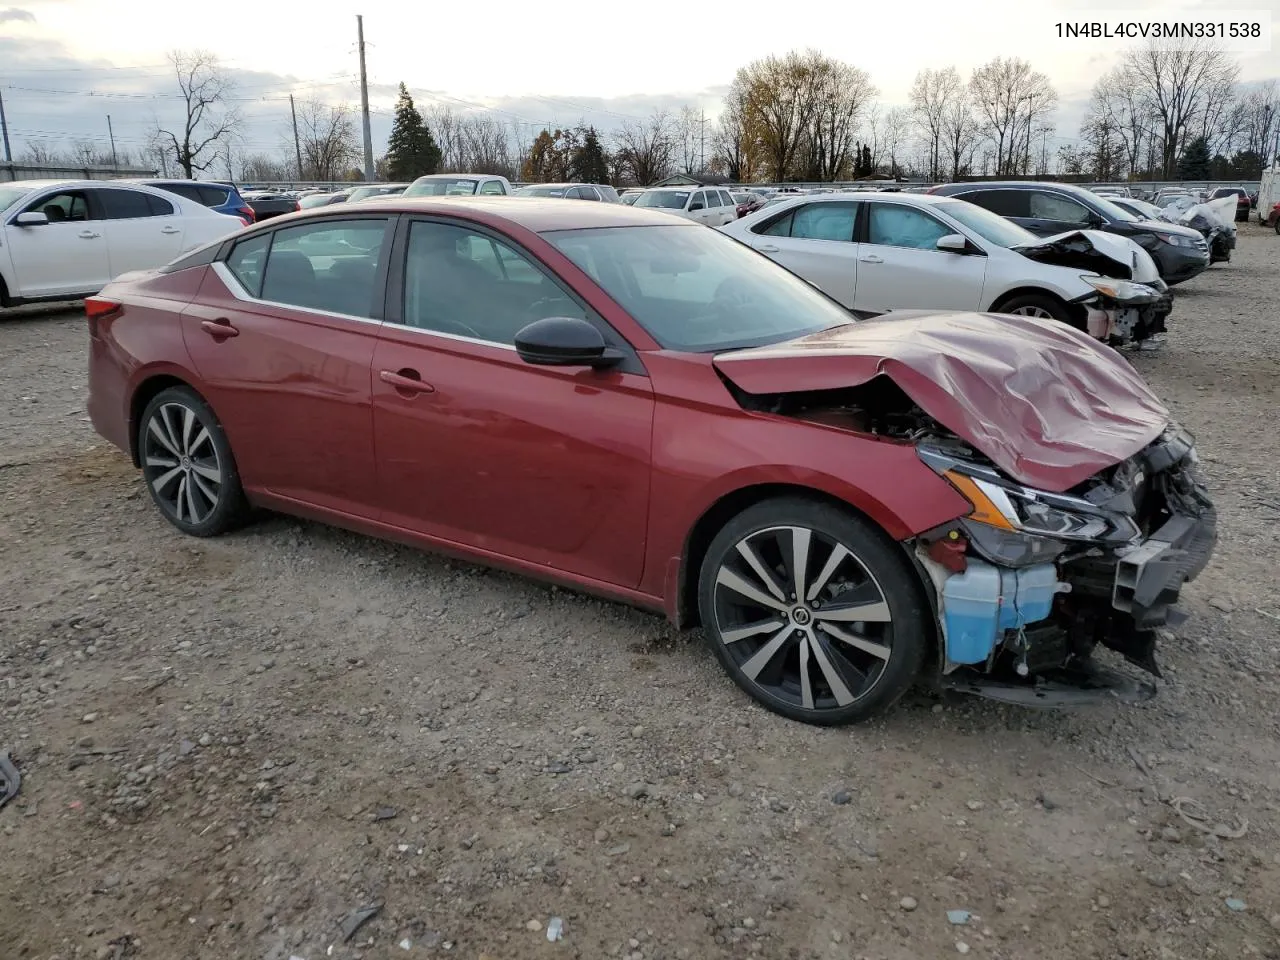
[219,329]
[89,235]
[170,230]
[767,248]
[871,259]
[406,382]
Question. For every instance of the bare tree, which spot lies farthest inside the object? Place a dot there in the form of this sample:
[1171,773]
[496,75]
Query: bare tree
[842,95]
[894,131]
[327,138]
[37,153]
[260,167]
[647,148]
[687,129]
[1260,120]
[1012,101]
[1178,87]
[485,147]
[932,92]
[959,131]
[209,117]
[733,153]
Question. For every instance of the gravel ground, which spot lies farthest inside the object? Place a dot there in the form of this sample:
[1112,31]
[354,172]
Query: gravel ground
[230,746]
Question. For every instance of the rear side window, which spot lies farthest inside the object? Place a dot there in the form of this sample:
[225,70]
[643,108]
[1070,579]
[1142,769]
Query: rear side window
[824,221]
[212,196]
[160,207]
[492,186]
[188,191]
[1007,203]
[330,266]
[124,204]
[247,260]
[726,199]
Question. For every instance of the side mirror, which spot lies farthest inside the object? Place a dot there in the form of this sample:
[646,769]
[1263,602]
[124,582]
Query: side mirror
[1095,221]
[32,218]
[953,243]
[564,342]
[694,206]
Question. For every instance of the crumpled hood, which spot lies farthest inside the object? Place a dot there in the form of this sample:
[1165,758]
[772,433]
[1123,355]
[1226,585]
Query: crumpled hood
[1047,403]
[1106,254]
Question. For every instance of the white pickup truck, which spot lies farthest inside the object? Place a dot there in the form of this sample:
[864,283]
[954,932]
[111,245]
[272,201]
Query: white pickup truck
[459,185]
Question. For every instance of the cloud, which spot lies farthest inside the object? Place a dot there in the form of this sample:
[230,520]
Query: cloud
[14,15]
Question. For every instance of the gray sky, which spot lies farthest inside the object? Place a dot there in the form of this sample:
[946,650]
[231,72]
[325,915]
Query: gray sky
[59,86]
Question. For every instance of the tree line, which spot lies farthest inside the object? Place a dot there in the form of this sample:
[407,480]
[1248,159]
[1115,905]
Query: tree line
[802,116]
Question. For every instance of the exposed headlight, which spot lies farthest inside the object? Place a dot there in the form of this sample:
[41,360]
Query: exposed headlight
[1017,525]
[1121,289]
[1176,239]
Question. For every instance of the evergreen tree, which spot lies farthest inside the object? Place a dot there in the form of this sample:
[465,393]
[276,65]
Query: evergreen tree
[1194,162]
[411,150]
[589,163]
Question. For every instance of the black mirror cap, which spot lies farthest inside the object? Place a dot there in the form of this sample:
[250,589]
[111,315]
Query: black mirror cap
[564,342]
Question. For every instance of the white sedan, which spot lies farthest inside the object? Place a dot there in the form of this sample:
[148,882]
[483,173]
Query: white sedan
[878,252]
[66,239]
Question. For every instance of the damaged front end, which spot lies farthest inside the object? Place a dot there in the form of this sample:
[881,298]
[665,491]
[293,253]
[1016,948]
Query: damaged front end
[1129,302]
[1031,582]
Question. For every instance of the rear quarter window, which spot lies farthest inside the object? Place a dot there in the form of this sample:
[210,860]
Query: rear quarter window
[212,196]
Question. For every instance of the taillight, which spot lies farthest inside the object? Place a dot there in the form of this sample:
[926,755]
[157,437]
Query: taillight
[98,309]
[246,214]
[296,206]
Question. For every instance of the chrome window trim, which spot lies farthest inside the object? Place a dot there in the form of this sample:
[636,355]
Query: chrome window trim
[232,283]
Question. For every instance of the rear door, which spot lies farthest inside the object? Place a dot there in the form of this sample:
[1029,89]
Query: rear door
[901,268]
[143,231]
[815,241]
[282,335]
[68,255]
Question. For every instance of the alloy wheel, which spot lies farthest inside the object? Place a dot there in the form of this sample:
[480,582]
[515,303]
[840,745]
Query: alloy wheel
[181,463]
[802,618]
[1032,311]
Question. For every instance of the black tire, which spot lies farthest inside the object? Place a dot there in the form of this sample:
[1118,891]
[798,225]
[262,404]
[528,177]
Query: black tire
[855,669]
[1039,305]
[187,464]
[1277,224]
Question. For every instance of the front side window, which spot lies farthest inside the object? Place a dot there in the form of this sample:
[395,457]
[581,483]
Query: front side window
[1053,206]
[695,289]
[824,221]
[330,266]
[124,204]
[492,187]
[465,283]
[68,206]
[894,225]
[699,201]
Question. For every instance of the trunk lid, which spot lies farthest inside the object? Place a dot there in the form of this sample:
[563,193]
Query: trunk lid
[1047,403]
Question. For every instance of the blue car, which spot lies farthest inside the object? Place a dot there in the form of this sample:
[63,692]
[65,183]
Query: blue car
[217,196]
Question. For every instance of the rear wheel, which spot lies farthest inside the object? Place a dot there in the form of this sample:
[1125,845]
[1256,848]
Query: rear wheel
[1037,305]
[813,611]
[187,464]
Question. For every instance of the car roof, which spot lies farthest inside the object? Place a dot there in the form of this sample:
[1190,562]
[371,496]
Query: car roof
[460,176]
[536,214]
[915,199]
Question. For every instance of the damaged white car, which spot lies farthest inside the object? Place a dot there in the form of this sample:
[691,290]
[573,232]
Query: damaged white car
[882,252]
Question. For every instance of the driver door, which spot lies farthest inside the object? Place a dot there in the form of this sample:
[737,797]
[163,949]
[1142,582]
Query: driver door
[901,268]
[548,465]
[66,256]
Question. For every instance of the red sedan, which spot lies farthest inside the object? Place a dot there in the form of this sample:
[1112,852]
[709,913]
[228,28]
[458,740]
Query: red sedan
[636,406]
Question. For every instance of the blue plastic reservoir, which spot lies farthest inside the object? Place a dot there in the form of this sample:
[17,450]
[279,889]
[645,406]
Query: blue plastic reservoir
[984,601]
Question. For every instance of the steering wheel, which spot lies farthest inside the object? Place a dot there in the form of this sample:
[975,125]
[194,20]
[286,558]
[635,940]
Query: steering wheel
[455,327]
[539,309]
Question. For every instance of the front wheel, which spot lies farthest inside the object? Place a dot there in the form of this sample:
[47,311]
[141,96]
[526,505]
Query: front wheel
[1038,305]
[813,611]
[187,464]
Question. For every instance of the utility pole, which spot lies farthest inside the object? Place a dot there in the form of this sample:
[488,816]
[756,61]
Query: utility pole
[112,134]
[297,145]
[364,105]
[4,129]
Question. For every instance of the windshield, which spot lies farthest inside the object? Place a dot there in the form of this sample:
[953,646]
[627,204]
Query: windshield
[10,195]
[1110,210]
[989,226]
[696,289]
[442,187]
[540,192]
[666,199]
